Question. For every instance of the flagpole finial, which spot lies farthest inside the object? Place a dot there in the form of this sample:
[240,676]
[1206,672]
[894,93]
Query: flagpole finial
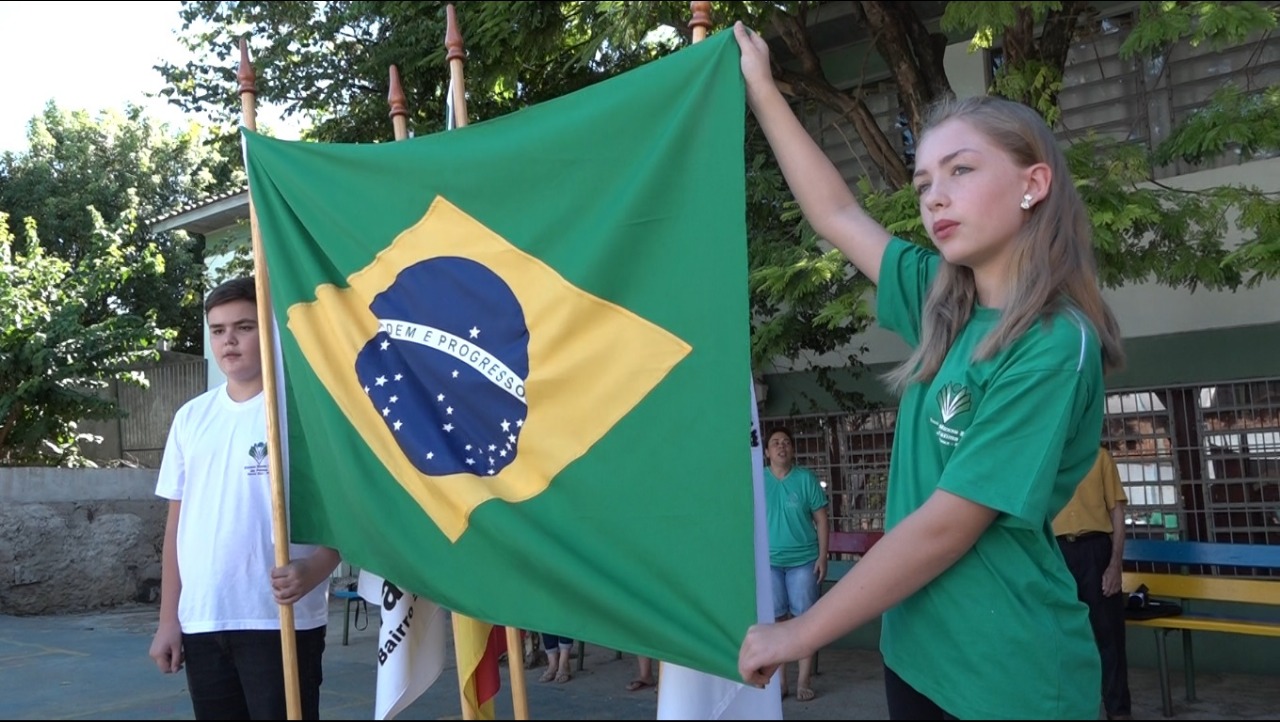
[701,22]
[452,37]
[456,59]
[248,88]
[399,106]
[248,81]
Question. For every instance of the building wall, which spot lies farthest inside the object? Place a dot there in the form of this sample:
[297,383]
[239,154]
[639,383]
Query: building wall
[236,235]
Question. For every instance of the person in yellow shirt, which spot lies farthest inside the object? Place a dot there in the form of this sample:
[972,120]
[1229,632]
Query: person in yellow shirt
[1090,531]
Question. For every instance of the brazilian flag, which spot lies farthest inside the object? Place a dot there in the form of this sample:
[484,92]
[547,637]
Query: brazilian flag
[516,374]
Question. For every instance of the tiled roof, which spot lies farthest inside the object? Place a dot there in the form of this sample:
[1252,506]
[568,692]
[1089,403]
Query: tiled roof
[196,206]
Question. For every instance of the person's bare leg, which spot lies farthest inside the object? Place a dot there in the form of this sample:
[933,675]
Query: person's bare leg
[804,680]
[563,671]
[553,657]
[533,657]
[645,676]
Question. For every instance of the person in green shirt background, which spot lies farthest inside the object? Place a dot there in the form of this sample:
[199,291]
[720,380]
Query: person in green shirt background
[1001,411]
[796,511]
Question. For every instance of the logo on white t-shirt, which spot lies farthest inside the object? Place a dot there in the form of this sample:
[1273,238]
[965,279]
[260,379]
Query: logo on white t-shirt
[258,452]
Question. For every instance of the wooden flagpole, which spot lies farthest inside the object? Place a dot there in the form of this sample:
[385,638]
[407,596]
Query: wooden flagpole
[266,342]
[456,57]
[700,24]
[399,107]
[515,664]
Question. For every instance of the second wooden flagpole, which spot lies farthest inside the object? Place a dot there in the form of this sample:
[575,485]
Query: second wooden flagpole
[266,341]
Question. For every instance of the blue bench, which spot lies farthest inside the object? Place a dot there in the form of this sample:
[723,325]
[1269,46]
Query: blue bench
[352,598]
[1190,573]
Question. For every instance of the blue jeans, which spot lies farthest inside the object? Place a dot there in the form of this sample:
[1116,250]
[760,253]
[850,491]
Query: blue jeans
[795,589]
[240,675]
[552,643]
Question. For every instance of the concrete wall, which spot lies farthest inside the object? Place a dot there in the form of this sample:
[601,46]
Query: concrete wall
[76,540]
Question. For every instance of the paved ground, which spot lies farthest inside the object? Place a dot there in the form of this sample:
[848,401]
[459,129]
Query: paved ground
[96,667]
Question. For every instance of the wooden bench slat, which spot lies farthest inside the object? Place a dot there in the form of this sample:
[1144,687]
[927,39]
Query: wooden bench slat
[1206,587]
[1190,586]
[1212,624]
[1209,553]
[837,568]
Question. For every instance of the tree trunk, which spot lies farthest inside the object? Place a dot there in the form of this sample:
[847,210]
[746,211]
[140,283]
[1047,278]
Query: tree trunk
[913,55]
[810,83]
[1022,46]
[885,157]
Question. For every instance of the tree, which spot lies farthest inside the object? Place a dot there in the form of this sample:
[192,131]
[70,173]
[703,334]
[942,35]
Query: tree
[124,168]
[329,60]
[56,350]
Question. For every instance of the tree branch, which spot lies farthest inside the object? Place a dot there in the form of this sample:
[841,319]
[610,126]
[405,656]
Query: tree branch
[891,166]
[812,84]
[903,41]
[1059,32]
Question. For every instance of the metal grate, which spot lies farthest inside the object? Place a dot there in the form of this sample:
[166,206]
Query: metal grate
[1138,432]
[1198,462]
[1240,468]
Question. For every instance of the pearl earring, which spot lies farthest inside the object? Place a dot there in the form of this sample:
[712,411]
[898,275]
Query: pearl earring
[1026,202]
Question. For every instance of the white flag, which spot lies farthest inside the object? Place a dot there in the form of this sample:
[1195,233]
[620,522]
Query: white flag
[450,120]
[684,693]
[411,644]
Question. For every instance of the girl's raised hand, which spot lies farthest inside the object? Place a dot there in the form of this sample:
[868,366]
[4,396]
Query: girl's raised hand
[755,55]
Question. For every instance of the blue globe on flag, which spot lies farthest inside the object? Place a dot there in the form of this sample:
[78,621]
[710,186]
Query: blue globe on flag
[447,368]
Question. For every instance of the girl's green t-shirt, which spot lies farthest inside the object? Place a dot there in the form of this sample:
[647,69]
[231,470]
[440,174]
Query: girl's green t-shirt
[1000,634]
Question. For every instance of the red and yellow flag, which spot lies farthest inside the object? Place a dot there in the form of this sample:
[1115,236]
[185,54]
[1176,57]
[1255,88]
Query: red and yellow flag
[478,647]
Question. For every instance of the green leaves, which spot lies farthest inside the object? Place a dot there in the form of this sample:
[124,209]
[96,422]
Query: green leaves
[988,20]
[1235,120]
[330,62]
[116,169]
[56,351]
[1144,230]
[1219,24]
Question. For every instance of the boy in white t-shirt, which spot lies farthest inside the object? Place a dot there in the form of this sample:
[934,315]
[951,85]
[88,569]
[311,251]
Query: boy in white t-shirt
[221,590]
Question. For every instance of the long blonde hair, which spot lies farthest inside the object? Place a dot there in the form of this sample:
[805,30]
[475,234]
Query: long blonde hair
[1052,259]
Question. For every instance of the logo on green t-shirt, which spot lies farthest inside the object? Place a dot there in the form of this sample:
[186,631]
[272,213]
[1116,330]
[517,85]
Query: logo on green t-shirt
[953,399]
